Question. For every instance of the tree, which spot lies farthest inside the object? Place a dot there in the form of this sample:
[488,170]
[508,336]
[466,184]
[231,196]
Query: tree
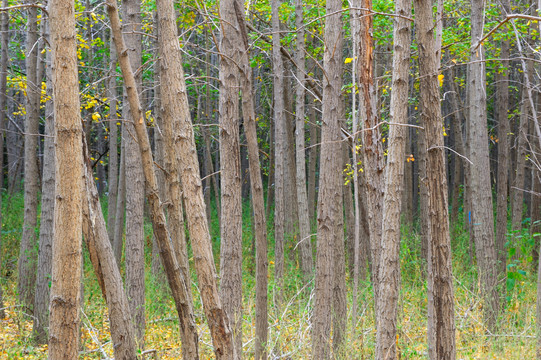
[441,326]
[28,254]
[481,194]
[113,145]
[330,219]
[66,268]
[135,187]
[3,104]
[389,266]
[231,178]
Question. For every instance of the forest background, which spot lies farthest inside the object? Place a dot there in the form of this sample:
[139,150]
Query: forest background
[303,179]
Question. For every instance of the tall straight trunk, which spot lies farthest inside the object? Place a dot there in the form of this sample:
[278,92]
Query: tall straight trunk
[256,186]
[517,189]
[109,278]
[46,235]
[120,204]
[291,209]
[389,267]
[167,39]
[305,245]
[135,187]
[28,249]
[441,326]
[280,139]
[481,194]
[330,231]
[113,144]
[193,196]
[4,57]
[372,150]
[67,254]
[312,164]
[230,172]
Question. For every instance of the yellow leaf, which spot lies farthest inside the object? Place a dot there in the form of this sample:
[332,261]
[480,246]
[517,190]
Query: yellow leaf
[440,79]
[348,60]
[96,116]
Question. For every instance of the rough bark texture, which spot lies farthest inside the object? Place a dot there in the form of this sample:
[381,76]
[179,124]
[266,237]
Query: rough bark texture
[481,194]
[280,140]
[193,199]
[28,251]
[389,267]
[304,240]
[107,271]
[230,172]
[170,113]
[67,259]
[256,187]
[135,187]
[113,144]
[330,218]
[41,301]
[441,326]
[372,150]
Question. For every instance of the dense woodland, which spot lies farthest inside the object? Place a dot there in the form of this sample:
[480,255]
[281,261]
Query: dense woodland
[270,179]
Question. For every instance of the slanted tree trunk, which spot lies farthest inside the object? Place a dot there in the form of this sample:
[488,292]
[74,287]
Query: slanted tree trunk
[28,255]
[135,187]
[280,139]
[230,172]
[113,144]
[305,245]
[167,39]
[389,267]
[481,194]
[46,235]
[67,259]
[193,196]
[330,231]
[256,186]
[107,271]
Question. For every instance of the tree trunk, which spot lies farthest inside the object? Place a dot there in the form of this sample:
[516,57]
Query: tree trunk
[389,269]
[256,183]
[330,231]
[108,273]
[113,144]
[28,255]
[193,196]
[230,172]
[280,139]
[167,40]
[120,203]
[312,164]
[441,326]
[304,241]
[481,194]
[46,235]
[67,254]
[3,108]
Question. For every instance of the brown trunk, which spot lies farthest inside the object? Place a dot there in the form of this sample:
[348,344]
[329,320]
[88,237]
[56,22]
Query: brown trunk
[330,233]
[193,197]
[389,269]
[167,41]
[441,326]
[481,194]
[230,172]
[107,270]
[28,255]
[67,259]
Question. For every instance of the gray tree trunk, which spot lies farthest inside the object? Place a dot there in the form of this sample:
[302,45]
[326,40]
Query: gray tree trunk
[113,144]
[3,108]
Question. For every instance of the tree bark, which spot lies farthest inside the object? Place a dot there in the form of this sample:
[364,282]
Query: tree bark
[304,241]
[67,259]
[193,197]
[3,108]
[330,231]
[441,326]
[389,267]
[113,144]
[481,194]
[28,255]
[46,234]
[120,203]
[170,114]
[230,172]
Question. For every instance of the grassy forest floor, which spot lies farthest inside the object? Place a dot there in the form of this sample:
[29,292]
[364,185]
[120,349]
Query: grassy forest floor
[289,329]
